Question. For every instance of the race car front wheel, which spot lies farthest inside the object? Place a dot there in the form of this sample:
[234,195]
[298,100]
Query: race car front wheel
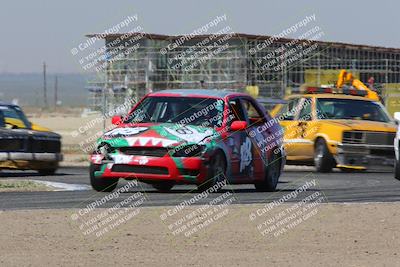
[101,184]
[163,186]
[272,175]
[323,159]
[216,172]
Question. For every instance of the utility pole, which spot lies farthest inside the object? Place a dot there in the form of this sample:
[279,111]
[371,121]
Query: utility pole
[55,93]
[103,96]
[319,70]
[44,86]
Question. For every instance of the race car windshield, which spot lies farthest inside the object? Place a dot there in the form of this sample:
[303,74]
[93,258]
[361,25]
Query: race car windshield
[183,110]
[330,108]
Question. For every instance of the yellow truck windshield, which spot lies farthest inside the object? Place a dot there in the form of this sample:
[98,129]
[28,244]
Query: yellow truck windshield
[336,109]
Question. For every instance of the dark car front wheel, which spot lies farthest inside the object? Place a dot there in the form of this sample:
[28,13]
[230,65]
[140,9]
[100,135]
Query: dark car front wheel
[101,184]
[397,169]
[163,186]
[46,172]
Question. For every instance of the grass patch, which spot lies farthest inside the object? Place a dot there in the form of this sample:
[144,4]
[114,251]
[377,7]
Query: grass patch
[22,185]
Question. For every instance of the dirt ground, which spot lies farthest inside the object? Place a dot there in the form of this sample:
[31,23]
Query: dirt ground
[78,135]
[75,130]
[337,235]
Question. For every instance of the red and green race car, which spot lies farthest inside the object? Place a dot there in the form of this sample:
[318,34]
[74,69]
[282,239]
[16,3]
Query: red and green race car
[191,136]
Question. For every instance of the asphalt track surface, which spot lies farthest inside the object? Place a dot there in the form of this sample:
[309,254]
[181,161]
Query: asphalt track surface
[336,187]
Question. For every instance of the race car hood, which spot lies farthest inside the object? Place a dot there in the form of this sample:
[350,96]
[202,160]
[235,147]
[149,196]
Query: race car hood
[363,125]
[157,135]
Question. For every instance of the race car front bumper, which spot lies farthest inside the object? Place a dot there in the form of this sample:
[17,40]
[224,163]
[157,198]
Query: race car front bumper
[191,170]
[363,156]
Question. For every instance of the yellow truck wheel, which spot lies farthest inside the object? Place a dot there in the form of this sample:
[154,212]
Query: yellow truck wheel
[323,159]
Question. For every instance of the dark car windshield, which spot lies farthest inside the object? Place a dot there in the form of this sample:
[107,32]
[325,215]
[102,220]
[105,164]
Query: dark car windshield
[2,122]
[14,112]
[333,108]
[183,110]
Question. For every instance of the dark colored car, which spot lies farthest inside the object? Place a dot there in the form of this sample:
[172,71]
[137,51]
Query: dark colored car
[24,148]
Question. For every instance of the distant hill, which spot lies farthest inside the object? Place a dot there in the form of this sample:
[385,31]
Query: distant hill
[28,88]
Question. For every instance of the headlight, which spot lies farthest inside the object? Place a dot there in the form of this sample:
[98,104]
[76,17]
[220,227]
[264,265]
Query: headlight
[188,151]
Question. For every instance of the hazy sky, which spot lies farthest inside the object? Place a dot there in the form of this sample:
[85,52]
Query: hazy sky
[34,31]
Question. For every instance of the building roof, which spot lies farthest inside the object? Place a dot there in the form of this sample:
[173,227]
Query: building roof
[248,36]
[196,92]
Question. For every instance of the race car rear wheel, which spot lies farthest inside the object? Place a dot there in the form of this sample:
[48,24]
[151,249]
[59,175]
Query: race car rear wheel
[216,173]
[272,175]
[163,186]
[323,159]
[101,184]
[397,169]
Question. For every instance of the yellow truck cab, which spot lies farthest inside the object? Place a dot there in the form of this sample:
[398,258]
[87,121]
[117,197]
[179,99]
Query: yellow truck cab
[346,130]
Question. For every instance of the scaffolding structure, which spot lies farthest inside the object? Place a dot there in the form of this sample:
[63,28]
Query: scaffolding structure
[148,64]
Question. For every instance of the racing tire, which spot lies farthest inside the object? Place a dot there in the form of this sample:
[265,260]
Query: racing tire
[273,172]
[163,187]
[216,172]
[397,169]
[101,184]
[47,172]
[323,159]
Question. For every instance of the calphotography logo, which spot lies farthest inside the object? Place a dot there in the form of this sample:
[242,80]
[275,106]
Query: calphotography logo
[110,212]
[289,211]
[195,215]
[190,134]
[125,131]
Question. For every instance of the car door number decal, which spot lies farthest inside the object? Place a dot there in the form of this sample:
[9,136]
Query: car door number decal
[245,154]
[184,130]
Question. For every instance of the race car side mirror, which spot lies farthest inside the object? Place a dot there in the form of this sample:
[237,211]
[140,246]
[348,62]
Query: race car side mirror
[238,126]
[116,120]
[397,116]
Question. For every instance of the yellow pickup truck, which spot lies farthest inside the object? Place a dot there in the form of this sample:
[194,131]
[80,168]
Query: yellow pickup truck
[346,130]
